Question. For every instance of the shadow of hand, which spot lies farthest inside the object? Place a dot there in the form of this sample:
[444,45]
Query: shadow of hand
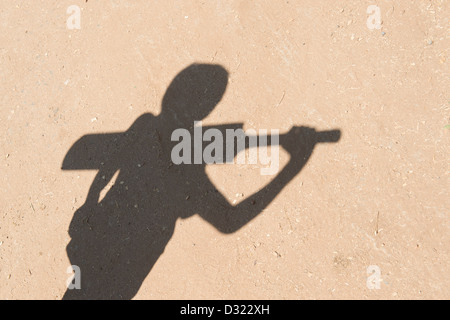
[299,142]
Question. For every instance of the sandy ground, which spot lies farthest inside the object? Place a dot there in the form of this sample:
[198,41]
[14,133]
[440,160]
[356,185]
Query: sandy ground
[378,197]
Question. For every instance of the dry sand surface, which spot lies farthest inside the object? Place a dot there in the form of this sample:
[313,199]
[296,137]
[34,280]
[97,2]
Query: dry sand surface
[379,197]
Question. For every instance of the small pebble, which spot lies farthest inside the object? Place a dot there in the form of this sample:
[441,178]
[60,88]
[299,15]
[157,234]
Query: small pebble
[430,42]
[383,33]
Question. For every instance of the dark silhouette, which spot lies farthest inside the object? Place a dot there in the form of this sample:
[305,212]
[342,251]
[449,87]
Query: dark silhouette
[116,241]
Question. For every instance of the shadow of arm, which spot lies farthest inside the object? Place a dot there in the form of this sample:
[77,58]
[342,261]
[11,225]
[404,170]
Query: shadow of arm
[96,152]
[92,151]
[229,219]
[299,142]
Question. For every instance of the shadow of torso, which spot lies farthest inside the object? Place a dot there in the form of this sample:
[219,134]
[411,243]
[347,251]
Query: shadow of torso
[116,241]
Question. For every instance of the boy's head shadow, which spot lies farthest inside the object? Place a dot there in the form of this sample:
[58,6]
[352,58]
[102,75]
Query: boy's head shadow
[193,94]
